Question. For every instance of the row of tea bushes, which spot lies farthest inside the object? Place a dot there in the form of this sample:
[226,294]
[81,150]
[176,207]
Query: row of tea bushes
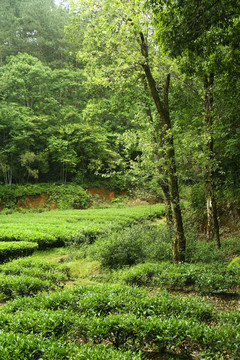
[15,249]
[26,276]
[206,278]
[21,347]
[36,267]
[67,316]
[56,228]
[102,300]
[21,285]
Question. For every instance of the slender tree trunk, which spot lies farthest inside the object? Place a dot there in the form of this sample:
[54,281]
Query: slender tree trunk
[212,220]
[163,179]
[179,245]
[164,184]
[168,205]
[1,59]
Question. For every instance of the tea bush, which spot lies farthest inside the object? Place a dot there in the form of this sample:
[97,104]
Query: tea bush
[99,300]
[28,276]
[122,317]
[21,285]
[21,347]
[125,331]
[200,277]
[41,269]
[15,249]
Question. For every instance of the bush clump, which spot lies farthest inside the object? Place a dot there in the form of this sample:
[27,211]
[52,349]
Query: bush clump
[21,346]
[136,244]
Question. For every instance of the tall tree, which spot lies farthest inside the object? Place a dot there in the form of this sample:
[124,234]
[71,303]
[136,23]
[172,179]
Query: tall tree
[202,35]
[127,47]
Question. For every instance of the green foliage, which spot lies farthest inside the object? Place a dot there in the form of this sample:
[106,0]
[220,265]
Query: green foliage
[214,278]
[200,251]
[123,318]
[25,81]
[27,277]
[21,346]
[102,300]
[72,227]
[35,27]
[192,34]
[43,135]
[38,268]
[16,249]
[21,285]
[65,195]
[197,197]
[202,37]
[235,261]
[138,243]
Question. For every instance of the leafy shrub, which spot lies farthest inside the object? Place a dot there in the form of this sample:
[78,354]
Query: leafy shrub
[99,300]
[124,331]
[133,245]
[38,268]
[11,250]
[21,285]
[119,316]
[121,249]
[199,251]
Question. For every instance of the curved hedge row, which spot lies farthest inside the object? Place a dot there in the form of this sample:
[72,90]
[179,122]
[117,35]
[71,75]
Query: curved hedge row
[102,300]
[14,249]
[126,331]
[21,346]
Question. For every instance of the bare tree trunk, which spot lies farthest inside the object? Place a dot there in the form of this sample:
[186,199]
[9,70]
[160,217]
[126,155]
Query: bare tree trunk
[212,220]
[179,245]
